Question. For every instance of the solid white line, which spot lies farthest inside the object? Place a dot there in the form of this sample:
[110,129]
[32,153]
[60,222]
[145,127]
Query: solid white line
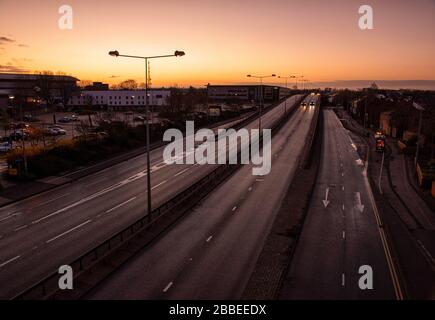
[120,205]
[158,185]
[70,230]
[209,238]
[19,228]
[168,286]
[9,261]
[181,172]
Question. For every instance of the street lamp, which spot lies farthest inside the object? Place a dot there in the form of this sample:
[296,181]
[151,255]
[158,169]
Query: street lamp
[286,85]
[177,53]
[421,109]
[262,98]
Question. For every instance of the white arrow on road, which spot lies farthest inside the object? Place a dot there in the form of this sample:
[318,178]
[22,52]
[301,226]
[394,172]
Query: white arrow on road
[359,206]
[326,201]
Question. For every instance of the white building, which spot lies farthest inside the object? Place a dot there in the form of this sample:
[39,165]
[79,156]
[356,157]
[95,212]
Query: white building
[121,98]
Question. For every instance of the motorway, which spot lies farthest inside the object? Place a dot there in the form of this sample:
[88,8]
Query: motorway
[340,232]
[40,233]
[210,253]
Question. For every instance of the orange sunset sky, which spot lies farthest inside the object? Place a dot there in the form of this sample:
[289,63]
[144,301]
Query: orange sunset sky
[223,40]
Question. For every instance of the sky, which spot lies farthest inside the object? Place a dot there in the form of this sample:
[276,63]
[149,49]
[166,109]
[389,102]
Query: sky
[223,40]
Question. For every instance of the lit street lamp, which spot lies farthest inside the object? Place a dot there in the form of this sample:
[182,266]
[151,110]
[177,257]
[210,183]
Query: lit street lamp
[262,98]
[421,109]
[175,54]
[286,85]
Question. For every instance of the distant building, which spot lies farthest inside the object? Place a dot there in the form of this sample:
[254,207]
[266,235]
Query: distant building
[229,93]
[120,98]
[26,85]
[97,86]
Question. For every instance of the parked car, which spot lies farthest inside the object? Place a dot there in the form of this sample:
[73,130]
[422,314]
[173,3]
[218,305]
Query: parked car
[75,117]
[5,147]
[65,120]
[139,118]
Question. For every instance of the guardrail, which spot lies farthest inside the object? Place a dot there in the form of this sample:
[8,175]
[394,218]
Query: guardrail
[177,205]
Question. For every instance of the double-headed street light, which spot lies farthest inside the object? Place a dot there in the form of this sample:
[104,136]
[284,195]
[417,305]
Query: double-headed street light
[286,85]
[261,99]
[175,54]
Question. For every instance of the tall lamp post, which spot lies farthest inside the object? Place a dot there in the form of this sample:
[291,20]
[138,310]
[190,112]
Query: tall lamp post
[286,85]
[421,109]
[175,54]
[261,99]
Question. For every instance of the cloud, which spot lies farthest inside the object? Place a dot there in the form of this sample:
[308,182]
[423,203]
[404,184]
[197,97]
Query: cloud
[15,69]
[4,40]
[114,76]
[23,45]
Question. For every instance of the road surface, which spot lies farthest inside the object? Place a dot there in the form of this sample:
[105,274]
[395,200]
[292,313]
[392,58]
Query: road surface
[40,233]
[340,233]
[211,253]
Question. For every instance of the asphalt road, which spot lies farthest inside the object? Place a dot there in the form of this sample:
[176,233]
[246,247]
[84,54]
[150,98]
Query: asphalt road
[340,232]
[40,233]
[211,253]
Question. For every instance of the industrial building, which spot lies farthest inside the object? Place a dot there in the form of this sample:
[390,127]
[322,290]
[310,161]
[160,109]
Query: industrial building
[26,86]
[120,98]
[249,92]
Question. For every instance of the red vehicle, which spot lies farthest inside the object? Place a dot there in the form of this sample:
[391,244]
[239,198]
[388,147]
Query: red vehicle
[380,141]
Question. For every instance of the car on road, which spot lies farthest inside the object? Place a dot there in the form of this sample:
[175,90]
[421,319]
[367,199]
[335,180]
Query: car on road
[311,104]
[5,147]
[303,104]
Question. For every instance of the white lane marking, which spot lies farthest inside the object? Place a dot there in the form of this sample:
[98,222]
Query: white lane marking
[168,286]
[20,228]
[342,188]
[343,206]
[95,195]
[9,261]
[342,280]
[250,188]
[10,216]
[209,238]
[68,231]
[181,172]
[54,199]
[259,180]
[344,234]
[120,205]
[234,208]
[158,185]
[342,174]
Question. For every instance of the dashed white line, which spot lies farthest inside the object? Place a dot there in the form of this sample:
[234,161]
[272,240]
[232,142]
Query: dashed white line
[342,280]
[168,286]
[209,238]
[10,216]
[181,172]
[342,188]
[250,188]
[68,231]
[234,208]
[158,185]
[54,199]
[343,207]
[9,261]
[20,228]
[344,234]
[120,205]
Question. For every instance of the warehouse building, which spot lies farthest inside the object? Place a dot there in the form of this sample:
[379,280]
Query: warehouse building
[251,93]
[120,98]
